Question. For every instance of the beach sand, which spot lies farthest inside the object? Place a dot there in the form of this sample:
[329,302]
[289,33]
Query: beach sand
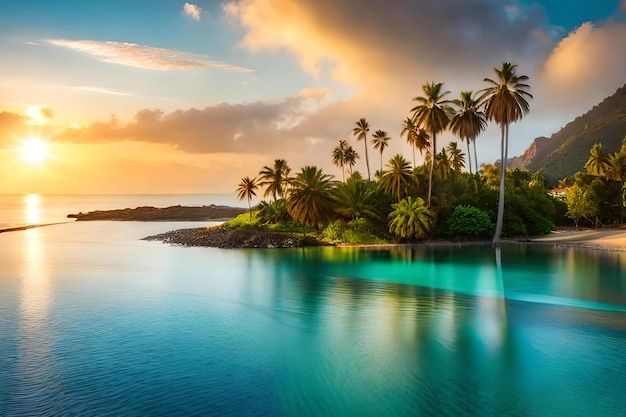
[605,239]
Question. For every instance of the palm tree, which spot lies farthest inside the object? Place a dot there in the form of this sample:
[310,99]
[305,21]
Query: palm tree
[398,178]
[310,200]
[410,218]
[247,189]
[433,114]
[380,140]
[456,157]
[339,157]
[598,163]
[350,156]
[356,198]
[443,165]
[360,131]
[468,123]
[275,179]
[505,102]
[410,130]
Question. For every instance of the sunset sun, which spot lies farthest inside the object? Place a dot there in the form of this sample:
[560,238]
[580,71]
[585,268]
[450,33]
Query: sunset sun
[34,151]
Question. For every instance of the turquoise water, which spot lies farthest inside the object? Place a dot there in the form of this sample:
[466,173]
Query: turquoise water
[95,322]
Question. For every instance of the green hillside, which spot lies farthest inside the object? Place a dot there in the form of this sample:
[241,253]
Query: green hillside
[565,152]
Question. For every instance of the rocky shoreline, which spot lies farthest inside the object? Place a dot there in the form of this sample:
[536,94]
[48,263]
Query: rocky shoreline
[226,238]
[173,213]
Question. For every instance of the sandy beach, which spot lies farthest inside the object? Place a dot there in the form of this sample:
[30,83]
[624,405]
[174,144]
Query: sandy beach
[605,239]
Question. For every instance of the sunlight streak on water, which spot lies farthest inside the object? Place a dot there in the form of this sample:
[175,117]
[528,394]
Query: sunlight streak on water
[35,366]
[32,208]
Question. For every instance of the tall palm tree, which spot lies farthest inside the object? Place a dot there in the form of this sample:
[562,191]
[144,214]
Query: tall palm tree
[360,131]
[410,218]
[380,140]
[339,157]
[397,180]
[247,189]
[310,201]
[350,156]
[505,102]
[456,157]
[433,114]
[598,162]
[275,179]
[468,122]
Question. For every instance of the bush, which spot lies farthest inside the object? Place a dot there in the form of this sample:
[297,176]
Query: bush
[333,233]
[468,220]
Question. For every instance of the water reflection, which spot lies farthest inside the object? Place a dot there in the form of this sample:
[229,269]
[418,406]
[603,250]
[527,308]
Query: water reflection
[32,208]
[35,365]
[443,337]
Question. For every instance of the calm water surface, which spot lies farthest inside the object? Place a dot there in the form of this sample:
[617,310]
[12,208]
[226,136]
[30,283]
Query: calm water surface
[30,209]
[95,322]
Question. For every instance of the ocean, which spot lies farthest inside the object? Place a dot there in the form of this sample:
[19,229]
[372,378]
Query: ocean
[31,209]
[96,322]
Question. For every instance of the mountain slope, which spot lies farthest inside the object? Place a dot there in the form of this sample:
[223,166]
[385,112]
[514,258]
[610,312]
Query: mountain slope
[565,152]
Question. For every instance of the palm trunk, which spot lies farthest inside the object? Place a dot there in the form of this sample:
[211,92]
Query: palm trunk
[249,209]
[367,161]
[432,168]
[500,218]
[343,173]
[475,156]
[413,148]
[469,157]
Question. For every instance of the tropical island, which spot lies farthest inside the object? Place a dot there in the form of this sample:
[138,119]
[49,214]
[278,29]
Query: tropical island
[403,202]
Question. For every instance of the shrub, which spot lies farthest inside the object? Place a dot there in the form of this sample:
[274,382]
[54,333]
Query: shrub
[468,220]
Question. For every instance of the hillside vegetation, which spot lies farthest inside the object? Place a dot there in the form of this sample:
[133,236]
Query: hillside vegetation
[565,152]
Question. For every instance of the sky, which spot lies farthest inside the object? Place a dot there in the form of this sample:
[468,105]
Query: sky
[142,96]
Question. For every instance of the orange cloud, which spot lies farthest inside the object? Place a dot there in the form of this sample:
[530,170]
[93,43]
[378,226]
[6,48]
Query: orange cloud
[244,128]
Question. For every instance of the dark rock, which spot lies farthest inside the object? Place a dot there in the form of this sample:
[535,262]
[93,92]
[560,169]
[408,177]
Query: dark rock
[225,238]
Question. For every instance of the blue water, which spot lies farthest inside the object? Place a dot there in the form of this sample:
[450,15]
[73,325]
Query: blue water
[95,322]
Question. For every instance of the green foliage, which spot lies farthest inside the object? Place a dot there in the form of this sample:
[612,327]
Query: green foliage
[311,201]
[273,212]
[275,179]
[242,220]
[354,231]
[523,216]
[356,198]
[561,217]
[398,178]
[468,220]
[410,219]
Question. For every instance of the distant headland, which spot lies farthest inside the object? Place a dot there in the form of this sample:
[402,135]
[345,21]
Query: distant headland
[173,213]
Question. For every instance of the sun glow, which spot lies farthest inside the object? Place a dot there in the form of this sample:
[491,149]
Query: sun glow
[34,151]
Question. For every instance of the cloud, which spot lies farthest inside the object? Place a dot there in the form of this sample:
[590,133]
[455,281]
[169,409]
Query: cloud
[586,64]
[11,125]
[371,45]
[243,128]
[38,115]
[192,11]
[101,90]
[142,56]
